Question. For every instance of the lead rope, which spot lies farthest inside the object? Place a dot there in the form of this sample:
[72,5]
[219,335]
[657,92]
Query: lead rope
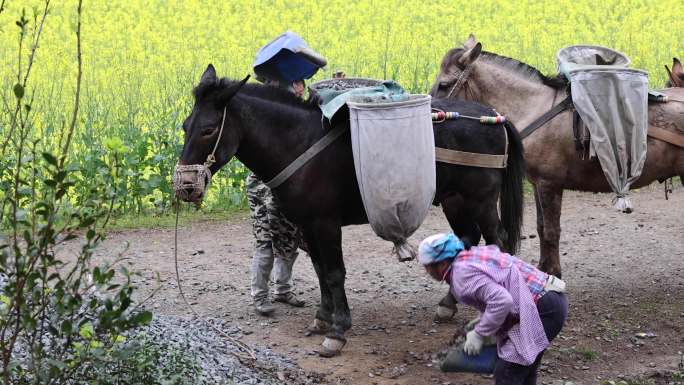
[210,158]
[241,345]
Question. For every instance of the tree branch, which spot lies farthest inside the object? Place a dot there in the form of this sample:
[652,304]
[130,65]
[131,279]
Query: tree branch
[32,55]
[74,116]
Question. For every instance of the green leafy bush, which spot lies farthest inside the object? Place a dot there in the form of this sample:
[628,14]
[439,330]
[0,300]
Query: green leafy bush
[143,361]
[62,318]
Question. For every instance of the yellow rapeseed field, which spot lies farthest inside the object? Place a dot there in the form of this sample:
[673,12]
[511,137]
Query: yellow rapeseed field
[141,58]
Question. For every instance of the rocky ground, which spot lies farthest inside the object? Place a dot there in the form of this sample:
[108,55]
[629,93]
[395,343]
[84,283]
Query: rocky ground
[223,361]
[625,275]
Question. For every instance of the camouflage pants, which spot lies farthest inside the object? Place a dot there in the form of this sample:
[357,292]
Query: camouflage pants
[277,240]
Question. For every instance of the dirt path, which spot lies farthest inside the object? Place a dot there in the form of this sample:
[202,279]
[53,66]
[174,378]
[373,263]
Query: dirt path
[625,275]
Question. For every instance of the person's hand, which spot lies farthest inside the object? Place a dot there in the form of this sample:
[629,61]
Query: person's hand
[473,343]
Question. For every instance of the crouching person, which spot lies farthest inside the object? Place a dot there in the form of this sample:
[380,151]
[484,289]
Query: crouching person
[523,307]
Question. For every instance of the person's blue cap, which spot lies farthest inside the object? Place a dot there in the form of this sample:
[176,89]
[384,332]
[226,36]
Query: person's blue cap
[288,58]
[439,247]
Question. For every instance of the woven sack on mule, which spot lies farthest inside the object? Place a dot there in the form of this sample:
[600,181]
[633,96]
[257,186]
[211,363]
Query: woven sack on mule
[612,101]
[394,156]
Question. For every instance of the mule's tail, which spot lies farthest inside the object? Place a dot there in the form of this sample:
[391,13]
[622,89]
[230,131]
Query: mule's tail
[511,204]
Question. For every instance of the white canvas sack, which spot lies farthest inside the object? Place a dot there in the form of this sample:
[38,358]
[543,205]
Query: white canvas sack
[394,156]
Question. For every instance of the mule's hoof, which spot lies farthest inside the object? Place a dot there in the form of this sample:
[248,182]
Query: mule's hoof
[331,347]
[444,314]
[327,353]
[318,327]
[557,275]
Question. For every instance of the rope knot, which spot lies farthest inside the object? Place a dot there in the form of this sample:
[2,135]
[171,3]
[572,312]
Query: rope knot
[211,159]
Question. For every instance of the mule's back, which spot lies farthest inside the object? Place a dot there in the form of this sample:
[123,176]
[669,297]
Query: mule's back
[465,134]
[669,115]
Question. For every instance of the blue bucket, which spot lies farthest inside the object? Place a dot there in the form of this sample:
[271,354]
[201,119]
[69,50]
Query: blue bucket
[458,361]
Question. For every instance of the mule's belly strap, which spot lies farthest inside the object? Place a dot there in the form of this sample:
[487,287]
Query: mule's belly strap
[472,159]
[666,136]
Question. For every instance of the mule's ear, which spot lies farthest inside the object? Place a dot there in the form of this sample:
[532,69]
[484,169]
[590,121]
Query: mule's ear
[677,72]
[243,81]
[469,55]
[209,75]
[229,92]
[470,43]
[605,62]
[669,74]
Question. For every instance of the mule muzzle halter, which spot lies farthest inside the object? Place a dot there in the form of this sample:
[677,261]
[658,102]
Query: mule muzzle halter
[201,173]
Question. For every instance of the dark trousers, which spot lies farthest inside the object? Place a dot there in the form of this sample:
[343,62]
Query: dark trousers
[553,309]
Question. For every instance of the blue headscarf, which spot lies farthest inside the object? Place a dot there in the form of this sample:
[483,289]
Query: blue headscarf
[439,247]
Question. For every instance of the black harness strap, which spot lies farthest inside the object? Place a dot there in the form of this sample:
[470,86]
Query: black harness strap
[306,156]
[550,114]
[576,130]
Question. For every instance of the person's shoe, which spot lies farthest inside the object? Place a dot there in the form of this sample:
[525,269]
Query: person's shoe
[288,298]
[264,307]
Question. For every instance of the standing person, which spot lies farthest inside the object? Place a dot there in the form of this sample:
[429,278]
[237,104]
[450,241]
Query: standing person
[275,252]
[284,62]
[523,307]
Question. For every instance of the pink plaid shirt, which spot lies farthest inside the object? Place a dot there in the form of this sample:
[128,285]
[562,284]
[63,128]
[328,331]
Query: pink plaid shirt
[505,289]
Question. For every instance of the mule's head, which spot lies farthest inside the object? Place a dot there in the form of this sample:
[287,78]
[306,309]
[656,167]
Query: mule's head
[453,74]
[676,75]
[210,138]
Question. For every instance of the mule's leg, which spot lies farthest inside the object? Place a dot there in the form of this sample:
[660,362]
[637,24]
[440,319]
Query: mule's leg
[460,219]
[446,308]
[540,213]
[325,240]
[490,224]
[323,320]
[550,198]
[463,225]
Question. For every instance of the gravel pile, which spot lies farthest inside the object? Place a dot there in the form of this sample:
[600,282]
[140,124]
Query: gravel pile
[216,354]
[343,84]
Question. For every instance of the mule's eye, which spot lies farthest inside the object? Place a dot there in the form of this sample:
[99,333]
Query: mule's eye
[208,131]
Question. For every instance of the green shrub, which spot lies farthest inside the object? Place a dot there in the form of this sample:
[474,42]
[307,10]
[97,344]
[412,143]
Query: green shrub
[59,319]
[143,361]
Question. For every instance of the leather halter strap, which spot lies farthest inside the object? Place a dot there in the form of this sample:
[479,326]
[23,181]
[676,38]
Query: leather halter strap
[461,79]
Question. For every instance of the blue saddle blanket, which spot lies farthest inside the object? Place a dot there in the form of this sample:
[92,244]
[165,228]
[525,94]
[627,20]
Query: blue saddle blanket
[332,100]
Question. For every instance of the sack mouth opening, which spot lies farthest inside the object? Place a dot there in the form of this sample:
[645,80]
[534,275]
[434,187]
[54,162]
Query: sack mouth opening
[412,100]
